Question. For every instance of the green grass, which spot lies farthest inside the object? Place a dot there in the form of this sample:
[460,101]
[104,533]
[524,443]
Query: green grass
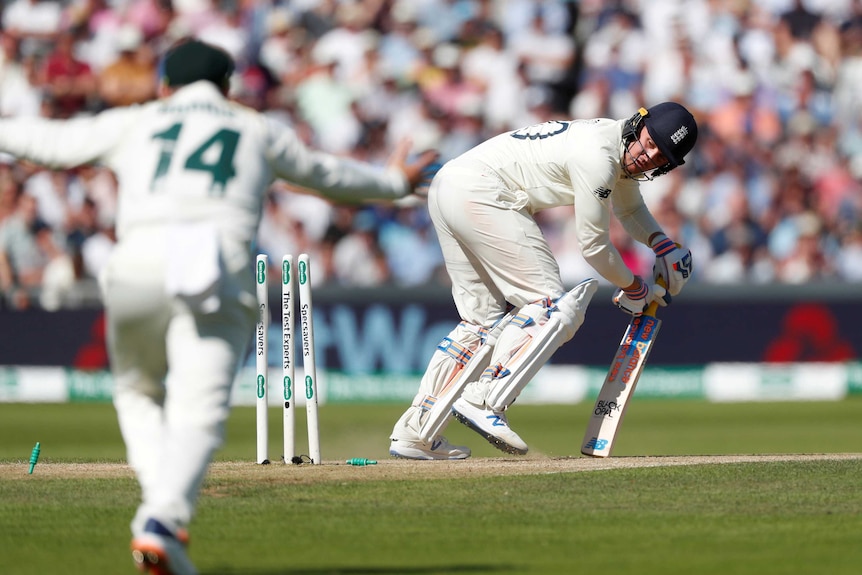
[762,518]
[89,432]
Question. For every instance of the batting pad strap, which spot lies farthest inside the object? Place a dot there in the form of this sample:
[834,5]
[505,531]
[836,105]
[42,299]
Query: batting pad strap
[495,371]
[482,332]
[522,320]
[663,246]
[517,359]
[455,350]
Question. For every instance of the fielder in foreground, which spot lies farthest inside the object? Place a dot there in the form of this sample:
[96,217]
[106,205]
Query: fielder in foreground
[193,169]
[505,280]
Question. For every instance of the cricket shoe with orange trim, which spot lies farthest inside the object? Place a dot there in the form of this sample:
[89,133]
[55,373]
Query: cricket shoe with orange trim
[490,424]
[160,551]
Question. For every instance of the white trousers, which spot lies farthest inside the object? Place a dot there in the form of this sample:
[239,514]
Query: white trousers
[495,254]
[494,250]
[173,367]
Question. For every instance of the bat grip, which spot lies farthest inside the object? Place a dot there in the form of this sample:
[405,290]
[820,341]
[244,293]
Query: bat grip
[652,308]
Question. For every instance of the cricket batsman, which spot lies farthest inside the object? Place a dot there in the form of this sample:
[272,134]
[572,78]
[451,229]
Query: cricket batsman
[193,168]
[505,280]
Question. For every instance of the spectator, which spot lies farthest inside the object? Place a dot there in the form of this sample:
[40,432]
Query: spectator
[399,48]
[344,45]
[278,231]
[805,261]
[357,258]
[58,273]
[59,196]
[151,17]
[410,246]
[317,17]
[279,50]
[32,20]
[849,265]
[494,71]
[18,96]
[800,21]
[547,55]
[21,260]
[226,30]
[775,86]
[744,119]
[66,79]
[326,104]
[454,93]
[9,189]
[446,18]
[131,78]
[740,228]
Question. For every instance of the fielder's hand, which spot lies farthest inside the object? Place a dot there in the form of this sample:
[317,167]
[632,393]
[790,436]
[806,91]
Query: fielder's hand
[672,262]
[635,298]
[419,170]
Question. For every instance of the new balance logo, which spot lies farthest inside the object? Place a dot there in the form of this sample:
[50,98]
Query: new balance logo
[436,444]
[602,193]
[496,421]
[596,444]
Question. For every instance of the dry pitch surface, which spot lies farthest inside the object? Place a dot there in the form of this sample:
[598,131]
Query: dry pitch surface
[399,469]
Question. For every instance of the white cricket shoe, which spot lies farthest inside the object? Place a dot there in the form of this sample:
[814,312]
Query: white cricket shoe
[440,448]
[490,424]
[160,551]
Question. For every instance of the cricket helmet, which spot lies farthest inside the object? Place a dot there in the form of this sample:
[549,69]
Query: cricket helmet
[191,60]
[671,127]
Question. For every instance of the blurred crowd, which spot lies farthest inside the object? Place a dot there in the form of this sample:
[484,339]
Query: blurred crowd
[770,194]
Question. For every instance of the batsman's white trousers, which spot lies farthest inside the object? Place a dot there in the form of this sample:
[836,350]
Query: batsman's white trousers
[495,252]
[173,366]
[495,255]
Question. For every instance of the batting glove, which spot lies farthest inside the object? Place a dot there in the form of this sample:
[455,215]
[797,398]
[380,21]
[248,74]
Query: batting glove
[672,262]
[634,301]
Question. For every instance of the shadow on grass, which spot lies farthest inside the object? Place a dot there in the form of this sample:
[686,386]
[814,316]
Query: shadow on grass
[364,570]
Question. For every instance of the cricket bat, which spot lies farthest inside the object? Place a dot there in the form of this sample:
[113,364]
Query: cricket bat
[619,384]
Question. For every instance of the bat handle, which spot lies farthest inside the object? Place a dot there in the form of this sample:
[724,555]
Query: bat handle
[652,308]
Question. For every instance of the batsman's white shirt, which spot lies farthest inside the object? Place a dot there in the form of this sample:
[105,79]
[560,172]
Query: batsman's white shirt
[192,171]
[483,202]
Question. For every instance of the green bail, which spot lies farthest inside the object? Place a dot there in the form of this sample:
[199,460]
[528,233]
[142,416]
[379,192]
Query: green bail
[34,456]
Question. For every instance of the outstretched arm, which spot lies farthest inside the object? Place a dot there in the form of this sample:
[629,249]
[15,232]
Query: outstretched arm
[64,143]
[343,179]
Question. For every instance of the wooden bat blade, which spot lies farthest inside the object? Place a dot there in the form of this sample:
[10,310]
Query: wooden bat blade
[619,384]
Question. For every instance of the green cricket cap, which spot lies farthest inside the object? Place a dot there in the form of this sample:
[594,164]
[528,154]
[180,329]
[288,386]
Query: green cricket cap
[193,60]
